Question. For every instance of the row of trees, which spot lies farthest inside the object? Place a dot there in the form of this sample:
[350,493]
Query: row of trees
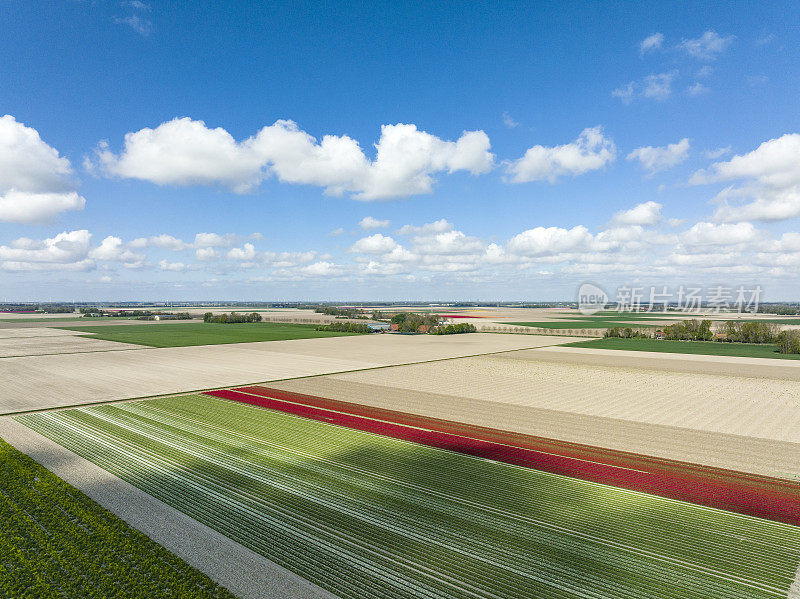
[233,317]
[788,342]
[783,309]
[750,332]
[454,329]
[346,327]
[410,322]
[626,333]
[689,330]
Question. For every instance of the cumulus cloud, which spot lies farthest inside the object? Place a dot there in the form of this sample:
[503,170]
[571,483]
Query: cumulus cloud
[112,249]
[65,251]
[591,151]
[374,244]
[655,159]
[645,214]
[373,223]
[187,152]
[246,252]
[651,42]
[706,47]
[705,234]
[550,240]
[697,89]
[35,181]
[164,241]
[771,188]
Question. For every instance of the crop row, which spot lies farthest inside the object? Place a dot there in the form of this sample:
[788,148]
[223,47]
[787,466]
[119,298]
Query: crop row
[736,491]
[56,542]
[368,516]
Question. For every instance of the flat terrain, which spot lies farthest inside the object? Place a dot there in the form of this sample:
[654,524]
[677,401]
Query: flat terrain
[709,348]
[367,516]
[57,542]
[36,382]
[194,333]
[62,344]
[588,323]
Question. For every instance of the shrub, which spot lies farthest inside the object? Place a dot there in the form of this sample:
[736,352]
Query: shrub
[788,342]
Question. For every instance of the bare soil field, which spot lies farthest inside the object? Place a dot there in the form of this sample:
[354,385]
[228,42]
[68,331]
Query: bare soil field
[33,331]
[736,413]
[36,382]
[57,344]
[739,405]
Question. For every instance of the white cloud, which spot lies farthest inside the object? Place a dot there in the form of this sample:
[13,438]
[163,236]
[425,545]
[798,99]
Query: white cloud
[374,244]
[213,240]
[246,252]
[509,121]
[651,42]
[655,159]
[717,152]
[167,242]
[771,190]
[646,214]
[697,89]
[172,266]
[321,269]
[655,87]
[659,87]
[35,182]
[140,25]
[337,232]
[705,234]
[65,251]
[112,249]
[186,152]
[373,223]
[591,151]
[706,47]
[550,240]
[206,253]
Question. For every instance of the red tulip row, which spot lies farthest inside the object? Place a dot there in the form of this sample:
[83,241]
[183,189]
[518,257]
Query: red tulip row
[763,497]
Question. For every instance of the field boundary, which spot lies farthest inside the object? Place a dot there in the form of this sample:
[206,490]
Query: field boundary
[249,383]
[242,571]
[749,494]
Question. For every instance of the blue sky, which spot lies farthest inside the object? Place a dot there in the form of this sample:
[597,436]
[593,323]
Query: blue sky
[526,148]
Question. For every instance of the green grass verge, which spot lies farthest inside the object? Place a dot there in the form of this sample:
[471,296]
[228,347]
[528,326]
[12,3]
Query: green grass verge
[194,333]
[709,348]
[56,542]
[589,323]
[364,515]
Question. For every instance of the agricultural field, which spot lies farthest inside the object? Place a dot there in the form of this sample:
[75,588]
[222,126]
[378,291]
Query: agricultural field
[709,348]
[182,335]
[364,515]
[56,542]
[587,323]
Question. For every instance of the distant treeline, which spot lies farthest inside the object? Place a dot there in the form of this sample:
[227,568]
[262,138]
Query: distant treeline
[733,331]
[783,309]
[454,329]
[137,314]
[346,327]
[232,318]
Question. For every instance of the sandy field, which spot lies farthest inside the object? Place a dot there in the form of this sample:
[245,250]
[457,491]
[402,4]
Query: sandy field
[33,331]
[713,415]
[36,382]
[58,344]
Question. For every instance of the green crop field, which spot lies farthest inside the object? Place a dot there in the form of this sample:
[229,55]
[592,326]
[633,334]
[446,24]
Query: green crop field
[56,542]
[367,516]
[709,348]
[202,333]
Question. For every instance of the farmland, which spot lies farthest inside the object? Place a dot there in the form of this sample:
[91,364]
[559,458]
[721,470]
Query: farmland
[586,323]
[188,334]
[58,542]
[369,516]
[710,348]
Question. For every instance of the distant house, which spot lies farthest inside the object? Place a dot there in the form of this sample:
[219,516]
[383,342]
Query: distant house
[424,328]
[660,335]
[379,327]
[720,336]
[394,327]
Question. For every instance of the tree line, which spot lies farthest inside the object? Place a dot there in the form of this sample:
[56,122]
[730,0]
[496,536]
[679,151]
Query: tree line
[232,318]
